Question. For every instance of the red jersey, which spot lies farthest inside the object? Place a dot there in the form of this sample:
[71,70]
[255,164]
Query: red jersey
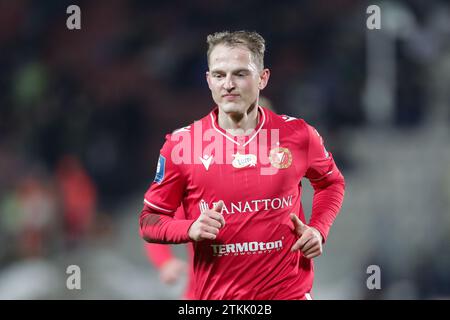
[258,177]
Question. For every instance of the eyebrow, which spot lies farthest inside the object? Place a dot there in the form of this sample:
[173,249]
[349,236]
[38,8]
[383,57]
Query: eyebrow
[234,71]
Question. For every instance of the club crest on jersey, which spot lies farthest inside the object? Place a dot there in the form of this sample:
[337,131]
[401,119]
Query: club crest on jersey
[280,158]
[160,169]
[243,160]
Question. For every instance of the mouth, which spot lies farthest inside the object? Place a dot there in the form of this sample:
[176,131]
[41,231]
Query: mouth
[230,96]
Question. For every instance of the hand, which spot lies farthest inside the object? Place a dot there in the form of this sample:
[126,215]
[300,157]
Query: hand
[310,241]
[208,224]
[172,270]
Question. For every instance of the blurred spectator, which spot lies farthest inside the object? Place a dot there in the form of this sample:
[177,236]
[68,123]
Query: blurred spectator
[29,217]
[38,208]
[79,199]
[171,268]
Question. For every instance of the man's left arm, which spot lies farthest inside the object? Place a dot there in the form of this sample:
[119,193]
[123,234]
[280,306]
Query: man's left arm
[328,184]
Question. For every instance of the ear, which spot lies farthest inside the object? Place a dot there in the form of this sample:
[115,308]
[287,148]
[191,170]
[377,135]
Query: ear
[264,79]
[208,79]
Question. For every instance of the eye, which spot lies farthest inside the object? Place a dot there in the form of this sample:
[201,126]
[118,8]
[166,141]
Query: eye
[217,75]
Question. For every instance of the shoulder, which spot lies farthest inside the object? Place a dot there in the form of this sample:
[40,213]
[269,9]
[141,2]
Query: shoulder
[189,130]
[293,126]
[297,125]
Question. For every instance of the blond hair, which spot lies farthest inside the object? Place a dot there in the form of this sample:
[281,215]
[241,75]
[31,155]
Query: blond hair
[253,41]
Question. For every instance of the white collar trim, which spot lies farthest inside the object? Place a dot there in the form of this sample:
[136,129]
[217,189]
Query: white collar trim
[252,137]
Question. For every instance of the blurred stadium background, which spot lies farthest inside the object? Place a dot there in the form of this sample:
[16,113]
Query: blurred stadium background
[83,114]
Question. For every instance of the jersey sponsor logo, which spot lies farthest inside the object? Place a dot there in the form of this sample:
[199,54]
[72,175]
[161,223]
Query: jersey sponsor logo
[242,248]
[280,158]
[206,160]
[160,169]
[243,160]
[251,205]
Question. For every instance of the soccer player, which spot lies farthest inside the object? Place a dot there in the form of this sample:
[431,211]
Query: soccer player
[170,267]
[237,173]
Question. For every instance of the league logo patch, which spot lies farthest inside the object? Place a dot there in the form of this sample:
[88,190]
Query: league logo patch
[280,158]
[160,169]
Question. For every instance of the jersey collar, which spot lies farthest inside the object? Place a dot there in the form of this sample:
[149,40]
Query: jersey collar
[215,125]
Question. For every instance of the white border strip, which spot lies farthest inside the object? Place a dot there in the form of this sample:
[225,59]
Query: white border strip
[214,126]
[254,135]
[156,207]
[321,178]
[262,124]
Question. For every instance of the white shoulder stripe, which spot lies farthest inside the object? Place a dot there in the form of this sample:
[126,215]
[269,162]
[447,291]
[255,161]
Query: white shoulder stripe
[184,129]
[156,207]
[323,177]
[215,128]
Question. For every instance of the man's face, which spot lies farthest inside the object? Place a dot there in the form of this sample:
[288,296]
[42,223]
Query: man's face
[234,78]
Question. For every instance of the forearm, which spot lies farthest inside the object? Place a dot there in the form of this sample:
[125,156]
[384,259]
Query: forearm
[158,254]
[327,201]
[159,228]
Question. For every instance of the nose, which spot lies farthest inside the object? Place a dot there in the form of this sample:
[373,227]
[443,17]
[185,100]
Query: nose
[228,84]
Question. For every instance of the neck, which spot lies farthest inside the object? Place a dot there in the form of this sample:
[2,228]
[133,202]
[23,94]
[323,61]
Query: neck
[238,124]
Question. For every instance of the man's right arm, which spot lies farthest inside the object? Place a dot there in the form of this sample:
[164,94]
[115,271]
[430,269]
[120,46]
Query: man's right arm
[157,223]
[165,194]
[161,228]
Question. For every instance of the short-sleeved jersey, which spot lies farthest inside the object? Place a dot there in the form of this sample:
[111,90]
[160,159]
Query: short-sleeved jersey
[258,177]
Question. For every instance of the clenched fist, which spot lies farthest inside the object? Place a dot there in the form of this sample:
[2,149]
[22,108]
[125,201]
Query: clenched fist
[208,224]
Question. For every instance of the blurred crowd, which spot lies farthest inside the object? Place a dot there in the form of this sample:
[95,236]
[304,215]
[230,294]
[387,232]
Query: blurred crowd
[42,213]
[83,113]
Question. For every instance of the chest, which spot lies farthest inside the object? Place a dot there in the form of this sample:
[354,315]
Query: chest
[266,168]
